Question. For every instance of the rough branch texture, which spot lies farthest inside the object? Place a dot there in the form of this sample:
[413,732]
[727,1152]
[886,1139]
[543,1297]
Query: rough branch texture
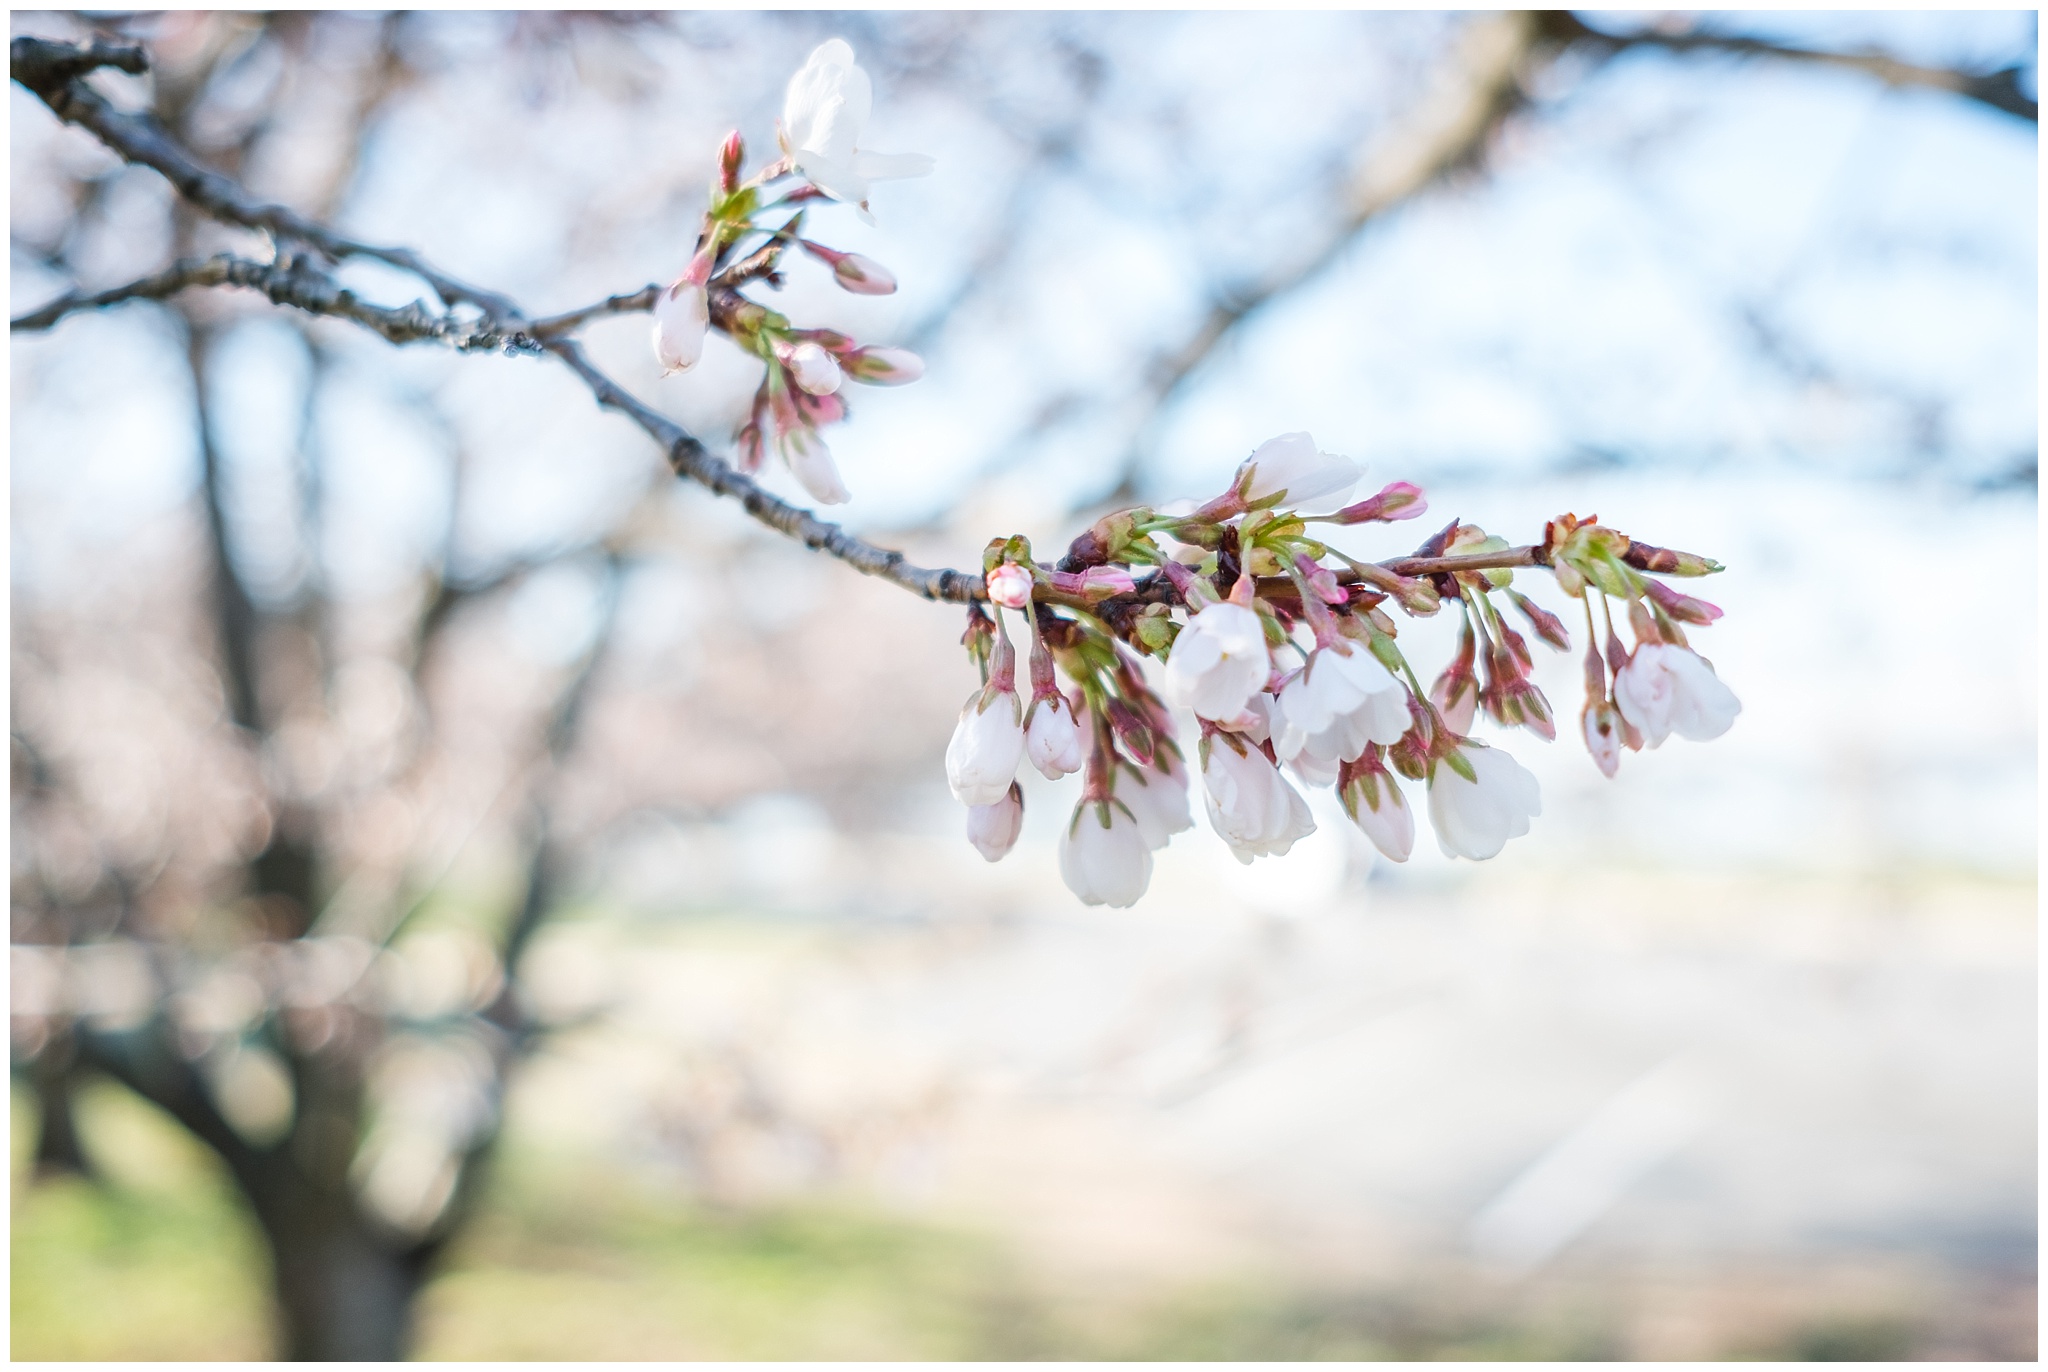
[50,70]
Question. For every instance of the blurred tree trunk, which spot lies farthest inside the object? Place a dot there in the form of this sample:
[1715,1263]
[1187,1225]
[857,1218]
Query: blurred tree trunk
[59,1150]
[344,1293]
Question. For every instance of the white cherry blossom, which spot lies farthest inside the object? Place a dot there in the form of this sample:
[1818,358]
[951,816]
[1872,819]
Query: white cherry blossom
[1218,662]
[1666,690]
[1291,467]
[824,113]
[993,829]
[987,745]
[1340,702]
[1052,738]
[1251,806]
[1381,813]
[815,369]
[1475,819]
[811,462]
[682,320]
[1104,856]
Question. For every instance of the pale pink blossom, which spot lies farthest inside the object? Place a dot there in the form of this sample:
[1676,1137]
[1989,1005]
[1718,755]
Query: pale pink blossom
[1341,701]
[682,318]
[815,369]
[993,829]
[1666,690]
[1250,804]
[1602,726]
[1104,856]
[1475,819]
[1376,805]
[811,462]
[1157,800]
[883,366]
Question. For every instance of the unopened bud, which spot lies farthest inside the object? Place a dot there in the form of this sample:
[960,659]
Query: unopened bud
[860,275]
[993,829]
[1010,586]
[1096,583]
[883,366]
[1321,580]
[1401,500]
[1649,557]
[814,369]
[1685,607]
[1548,626]
[1602,727]
[729,159]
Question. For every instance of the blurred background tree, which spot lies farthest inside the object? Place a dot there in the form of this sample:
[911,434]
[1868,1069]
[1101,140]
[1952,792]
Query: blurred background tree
[341,670]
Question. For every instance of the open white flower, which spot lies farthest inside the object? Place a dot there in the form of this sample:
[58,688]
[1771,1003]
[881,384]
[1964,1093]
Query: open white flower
[993,829]
[1343,700]
[1251,806]
[987,745]
[824,113]
[1291,467]
[1104,857]
[1219,662]
[1475,819]
[1052,739]
[1666,690]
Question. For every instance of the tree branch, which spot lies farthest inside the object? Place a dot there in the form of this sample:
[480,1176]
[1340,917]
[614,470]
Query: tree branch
[1999,89]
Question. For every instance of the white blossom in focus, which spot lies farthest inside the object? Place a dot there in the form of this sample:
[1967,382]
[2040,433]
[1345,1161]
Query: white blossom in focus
[1290,464]
[993,829]
[811,461]
[1052,738]
[682,319]
[987,745]
[1105,864]
[824,113]
[1218,662]
[1341,701]
[1251,806]
[1158,801]
[1666,690]
[1381,813]
[1475,819]
[815,369]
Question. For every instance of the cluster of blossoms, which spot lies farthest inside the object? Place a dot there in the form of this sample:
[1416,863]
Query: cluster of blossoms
[824,113]
[1284,651]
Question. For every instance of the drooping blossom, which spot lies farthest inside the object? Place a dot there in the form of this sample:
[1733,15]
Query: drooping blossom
[1476,818]
[1219,661]
[1251,806]
[1291,467]
[1601,723]
[993,829]
[1052,738]
[811,461]
[860,275]
[1342,700]
[1104,856]
[682,317]
[824,113]
[987,745]
[1666,690]
[1374,801]
[815,369]
[1157,800]
[1009,585]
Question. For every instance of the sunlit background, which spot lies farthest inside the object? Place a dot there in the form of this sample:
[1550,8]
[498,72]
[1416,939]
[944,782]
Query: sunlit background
[1731,1056]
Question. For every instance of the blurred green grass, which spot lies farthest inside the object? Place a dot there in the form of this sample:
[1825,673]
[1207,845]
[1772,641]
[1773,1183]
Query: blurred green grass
[573,1259]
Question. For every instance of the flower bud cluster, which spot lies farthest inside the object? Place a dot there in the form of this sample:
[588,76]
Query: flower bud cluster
[1285,652]
[825,111]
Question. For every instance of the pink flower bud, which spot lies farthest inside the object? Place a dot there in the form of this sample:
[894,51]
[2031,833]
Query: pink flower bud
[1096,583]
[1401,500]
[729,159]
[682,318]
[1685,607]
[993,829]
[1548,626]
[1602,726]
[861,275]
[1009,586]
[814,369]
[884,366]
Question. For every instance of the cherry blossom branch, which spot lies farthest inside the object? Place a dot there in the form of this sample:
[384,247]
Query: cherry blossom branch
[296,283]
